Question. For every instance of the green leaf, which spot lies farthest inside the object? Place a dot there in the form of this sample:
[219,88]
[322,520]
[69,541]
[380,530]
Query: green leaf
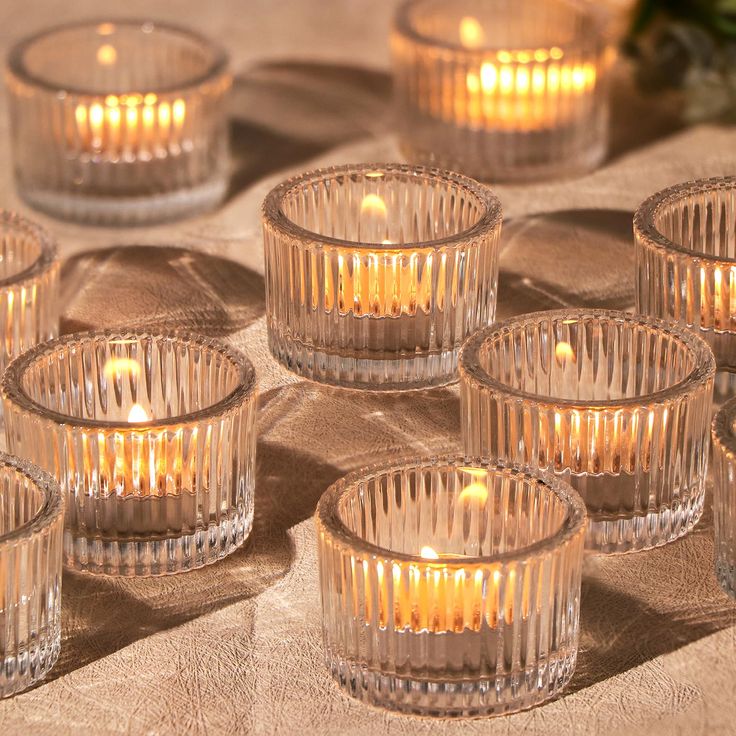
[643,16]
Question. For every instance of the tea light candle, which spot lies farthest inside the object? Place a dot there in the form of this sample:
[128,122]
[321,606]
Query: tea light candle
[686,260]
[119,122]
[724,495]
[615,404]
[376,273]
[29,286]
[31,521]
[440,578]
[502,90]
[156,457]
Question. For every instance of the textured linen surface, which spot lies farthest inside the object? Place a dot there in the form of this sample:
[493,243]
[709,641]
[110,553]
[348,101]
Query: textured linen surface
[236,647]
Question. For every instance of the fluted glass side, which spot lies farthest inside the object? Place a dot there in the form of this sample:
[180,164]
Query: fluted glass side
[375,274]
[450,587]
[502,89]
[29,284]
[153,440]
[686,260]
[617,405]
[31,522]
[724,495]
[119,122]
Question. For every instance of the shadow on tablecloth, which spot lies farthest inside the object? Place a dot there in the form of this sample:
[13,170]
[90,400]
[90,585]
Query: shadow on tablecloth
[637,607]
[163,287]
[579,258]
[287,112]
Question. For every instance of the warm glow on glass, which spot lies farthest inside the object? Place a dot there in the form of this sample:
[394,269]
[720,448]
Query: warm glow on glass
[512,89]
[145,124]
[429,554]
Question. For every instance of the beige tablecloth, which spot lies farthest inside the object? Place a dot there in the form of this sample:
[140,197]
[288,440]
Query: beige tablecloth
[235,648]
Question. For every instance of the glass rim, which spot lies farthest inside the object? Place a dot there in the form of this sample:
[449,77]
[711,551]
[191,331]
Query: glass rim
[644,217]
[48,249]
[51,508]
[489,220]
[723,436]
[13,392]
[403,26]
[328,517]
[15,62]
[704,365]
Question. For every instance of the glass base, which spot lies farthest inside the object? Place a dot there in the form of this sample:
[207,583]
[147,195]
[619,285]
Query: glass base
[122,211]
[726,575]
[644,532]
[390,373]
[482,697]
[19,672]
[153,557]
[471,161]
[724,388]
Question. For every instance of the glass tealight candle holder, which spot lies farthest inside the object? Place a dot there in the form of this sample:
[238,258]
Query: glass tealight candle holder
[29,285]
[31,523]
[152,438]
[450,587]
[615,404]
[686,260]
[502,90]
[375,274]
[724,495]
[119,122]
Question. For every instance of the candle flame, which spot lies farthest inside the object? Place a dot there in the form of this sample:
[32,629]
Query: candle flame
[429,554]
[106,55]
[373,204]
[564,351]
[475,492]
[471,33]
[138,414]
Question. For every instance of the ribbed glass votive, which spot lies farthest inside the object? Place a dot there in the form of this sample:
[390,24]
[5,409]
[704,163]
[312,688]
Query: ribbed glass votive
[450,587]
[375,274]
[724,495]
[152,438]
[29,285]
[686,260]
[119,122]
[31,522]
[615,404]
[502,89]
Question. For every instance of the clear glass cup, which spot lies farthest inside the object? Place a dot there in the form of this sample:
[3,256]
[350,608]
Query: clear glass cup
[31,522]
[686,260]
[450,587]
[502,89]
[617,405]
[119,122]
[29,285]
[724,495]
[376,273]
[152,438]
